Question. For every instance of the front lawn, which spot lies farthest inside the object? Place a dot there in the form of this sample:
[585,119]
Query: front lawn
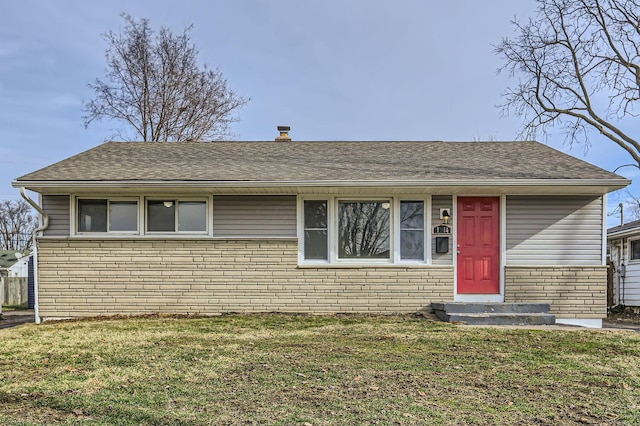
[335,370]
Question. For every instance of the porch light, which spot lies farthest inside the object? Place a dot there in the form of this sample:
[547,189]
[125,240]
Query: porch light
[168,204]
[445,217]
[386,206]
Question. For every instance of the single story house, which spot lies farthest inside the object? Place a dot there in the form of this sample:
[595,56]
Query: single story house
[14,263]
[14,277]
[287,226]
[623,244]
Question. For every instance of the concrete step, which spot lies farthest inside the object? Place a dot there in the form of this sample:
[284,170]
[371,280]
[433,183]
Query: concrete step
[503,319]
[478,308]
[494,313]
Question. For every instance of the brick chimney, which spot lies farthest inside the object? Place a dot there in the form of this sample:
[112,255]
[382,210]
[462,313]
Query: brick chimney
[284,134]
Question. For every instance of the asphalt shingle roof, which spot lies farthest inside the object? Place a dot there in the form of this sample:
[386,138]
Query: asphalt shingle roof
[8,257]
[318,161]
[623,228]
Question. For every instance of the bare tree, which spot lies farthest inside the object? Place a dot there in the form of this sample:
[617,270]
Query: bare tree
[632,205]
[155,86]
[17,223]
[578,64]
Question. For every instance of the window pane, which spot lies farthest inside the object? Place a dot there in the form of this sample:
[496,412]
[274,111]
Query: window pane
[411,215]
[315,230]
[363,229]
[315,244]
[161,216]
[635,250]
[412,245]
[315,214]
[92,215]
[192,216]
[123,216]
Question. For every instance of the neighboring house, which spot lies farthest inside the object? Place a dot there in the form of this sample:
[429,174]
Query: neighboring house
[14,263]
[623,244]
[14,276]
[320,227]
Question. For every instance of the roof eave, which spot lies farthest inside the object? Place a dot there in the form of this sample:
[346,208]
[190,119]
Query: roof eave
[623,234]
[605,184]
[241,183]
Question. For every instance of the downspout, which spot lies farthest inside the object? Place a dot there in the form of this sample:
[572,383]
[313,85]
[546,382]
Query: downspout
[623,270]
[34,242]
[621,274]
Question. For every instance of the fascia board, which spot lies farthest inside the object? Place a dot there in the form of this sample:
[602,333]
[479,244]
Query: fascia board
[608,183]
[624,234]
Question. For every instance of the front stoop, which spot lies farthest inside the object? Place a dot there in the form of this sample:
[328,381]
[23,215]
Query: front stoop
[494,313]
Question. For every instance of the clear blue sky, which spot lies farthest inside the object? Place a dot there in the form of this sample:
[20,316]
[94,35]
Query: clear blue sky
[331,69]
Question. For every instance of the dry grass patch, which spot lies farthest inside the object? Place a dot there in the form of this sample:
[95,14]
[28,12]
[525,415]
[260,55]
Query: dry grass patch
[282,369]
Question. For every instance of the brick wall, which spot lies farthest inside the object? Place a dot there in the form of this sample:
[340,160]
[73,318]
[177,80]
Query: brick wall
[572,291]
[102,277]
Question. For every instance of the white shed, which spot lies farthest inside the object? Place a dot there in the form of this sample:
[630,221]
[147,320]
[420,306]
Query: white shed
[14,263]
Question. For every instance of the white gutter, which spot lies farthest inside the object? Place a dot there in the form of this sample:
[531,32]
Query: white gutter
[315,183]
[623,234]
[45,225]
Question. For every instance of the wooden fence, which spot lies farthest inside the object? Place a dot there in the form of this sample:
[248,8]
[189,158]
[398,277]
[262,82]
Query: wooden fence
[14,290]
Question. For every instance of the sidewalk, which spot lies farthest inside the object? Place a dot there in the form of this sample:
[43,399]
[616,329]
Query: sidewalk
[15,318]
[621,325]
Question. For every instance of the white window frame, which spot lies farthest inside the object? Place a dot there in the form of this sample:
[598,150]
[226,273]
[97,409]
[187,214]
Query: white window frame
[177,200]
[630,252]
[75,211]
[304,228]
[392,215]
[394,218]
[426,235]
[300,226]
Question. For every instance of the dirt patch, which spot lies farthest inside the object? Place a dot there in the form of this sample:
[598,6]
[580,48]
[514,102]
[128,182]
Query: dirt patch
[624,314]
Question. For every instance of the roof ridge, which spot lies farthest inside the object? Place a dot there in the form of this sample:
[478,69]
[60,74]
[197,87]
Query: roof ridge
[324,141]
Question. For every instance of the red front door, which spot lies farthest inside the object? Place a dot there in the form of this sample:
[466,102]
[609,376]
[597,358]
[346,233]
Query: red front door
[478,245]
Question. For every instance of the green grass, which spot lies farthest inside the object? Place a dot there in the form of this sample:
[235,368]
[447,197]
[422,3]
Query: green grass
[22,307]
[334,370]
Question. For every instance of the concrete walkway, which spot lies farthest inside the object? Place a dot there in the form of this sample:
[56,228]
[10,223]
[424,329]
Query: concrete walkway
[15,318]
[621,325]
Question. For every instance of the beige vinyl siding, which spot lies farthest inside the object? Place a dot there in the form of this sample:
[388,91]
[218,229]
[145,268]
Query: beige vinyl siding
[57,208]
[254,216]
[554,230]
[440,202]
